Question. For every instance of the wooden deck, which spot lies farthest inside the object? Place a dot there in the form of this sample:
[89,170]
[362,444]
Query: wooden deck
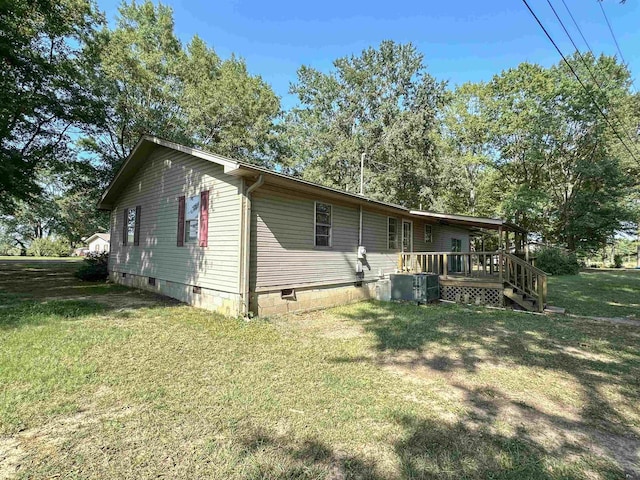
[488,277]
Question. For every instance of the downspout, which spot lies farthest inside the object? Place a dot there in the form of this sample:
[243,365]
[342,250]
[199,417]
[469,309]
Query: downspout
[247,245]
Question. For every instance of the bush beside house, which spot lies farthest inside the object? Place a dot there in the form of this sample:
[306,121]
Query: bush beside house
[94,267]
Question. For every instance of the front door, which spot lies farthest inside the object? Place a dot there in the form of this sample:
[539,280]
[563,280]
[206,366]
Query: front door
[456,260]
[407,236]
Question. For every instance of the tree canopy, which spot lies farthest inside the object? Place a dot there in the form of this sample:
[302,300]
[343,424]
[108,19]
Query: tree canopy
[530,145]
[382,103]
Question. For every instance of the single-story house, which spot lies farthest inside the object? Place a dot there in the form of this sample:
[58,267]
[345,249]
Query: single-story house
[241,239]
[98,242]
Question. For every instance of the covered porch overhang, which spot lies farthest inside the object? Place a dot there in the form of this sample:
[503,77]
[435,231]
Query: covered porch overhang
[480,226]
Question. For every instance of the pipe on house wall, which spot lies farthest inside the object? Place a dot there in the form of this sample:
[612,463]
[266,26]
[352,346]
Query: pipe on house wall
[360,229]
[246,245]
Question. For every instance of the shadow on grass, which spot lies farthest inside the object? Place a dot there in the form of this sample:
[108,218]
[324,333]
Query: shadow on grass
[404,335]
[35,294]
[426,449]
[30,313]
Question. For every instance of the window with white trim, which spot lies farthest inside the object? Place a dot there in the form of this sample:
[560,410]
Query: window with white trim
[131,226]
[191,218]
[428,234]
[323,224]
[392,233]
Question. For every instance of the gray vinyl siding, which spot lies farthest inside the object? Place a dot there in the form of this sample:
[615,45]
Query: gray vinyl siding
[283,248]
[165,176]
[442,235]
[380,259]
[283,253]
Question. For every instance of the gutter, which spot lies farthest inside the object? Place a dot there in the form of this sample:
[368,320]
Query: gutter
[246,245]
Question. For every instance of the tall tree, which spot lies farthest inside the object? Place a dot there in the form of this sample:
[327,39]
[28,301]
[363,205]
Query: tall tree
[137,82]
[150,84]
[383,103]
[552,163]
[43,88]
[227,110]
[465,153]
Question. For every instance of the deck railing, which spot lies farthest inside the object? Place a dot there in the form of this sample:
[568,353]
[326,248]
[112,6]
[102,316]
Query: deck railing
[505,268]
[526,278]
[466,264]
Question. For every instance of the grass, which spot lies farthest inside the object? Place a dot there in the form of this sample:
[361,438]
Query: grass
[4,258]
[604,293]
[97,381]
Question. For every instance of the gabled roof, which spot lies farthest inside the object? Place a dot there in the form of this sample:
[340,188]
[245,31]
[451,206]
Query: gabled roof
[147,143]
[103,236]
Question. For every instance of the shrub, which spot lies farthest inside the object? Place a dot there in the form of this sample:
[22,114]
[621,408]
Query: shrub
[557,262]
[46,247]
[94,267]
[617,261]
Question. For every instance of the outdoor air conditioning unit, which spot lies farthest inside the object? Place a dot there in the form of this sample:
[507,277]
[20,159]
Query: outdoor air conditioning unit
[426,287]
[421,287]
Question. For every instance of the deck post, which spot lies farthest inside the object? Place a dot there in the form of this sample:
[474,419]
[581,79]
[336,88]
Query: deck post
[400,262]
[526,246]
[542,292]
[445,265]
[500,265]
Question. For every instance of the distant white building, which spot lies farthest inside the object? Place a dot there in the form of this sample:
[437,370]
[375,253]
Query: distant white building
[98,242]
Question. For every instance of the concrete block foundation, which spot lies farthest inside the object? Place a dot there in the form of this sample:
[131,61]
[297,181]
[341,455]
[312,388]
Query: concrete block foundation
[221,302]
[271,302]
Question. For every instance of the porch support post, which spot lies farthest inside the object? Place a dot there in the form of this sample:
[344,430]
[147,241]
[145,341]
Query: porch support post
[500,250]
[526,246]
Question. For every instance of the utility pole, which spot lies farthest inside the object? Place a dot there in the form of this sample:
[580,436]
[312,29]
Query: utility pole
[362,173]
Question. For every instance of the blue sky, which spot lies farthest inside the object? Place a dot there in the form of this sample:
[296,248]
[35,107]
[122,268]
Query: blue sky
[463,40]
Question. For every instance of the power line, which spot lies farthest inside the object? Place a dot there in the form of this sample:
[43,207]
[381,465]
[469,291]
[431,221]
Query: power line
[578,27]
[578,78]
[586,64]
[584,39]
[615,40]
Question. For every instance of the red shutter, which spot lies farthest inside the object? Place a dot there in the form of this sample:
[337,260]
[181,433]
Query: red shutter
[203,234]
[125,230]
[181,221]
[136,231]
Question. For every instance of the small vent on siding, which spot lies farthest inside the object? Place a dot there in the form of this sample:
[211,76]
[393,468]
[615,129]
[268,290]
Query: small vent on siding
[197,289]
[152,281]
[288,294]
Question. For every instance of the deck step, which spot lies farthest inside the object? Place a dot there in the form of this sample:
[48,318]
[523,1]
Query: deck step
[526,303]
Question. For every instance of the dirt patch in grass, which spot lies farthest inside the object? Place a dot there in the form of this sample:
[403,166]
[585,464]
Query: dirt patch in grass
[11,456]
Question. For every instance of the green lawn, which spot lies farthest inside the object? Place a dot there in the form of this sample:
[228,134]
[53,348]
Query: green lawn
[4,258]
[604,293]
[98,381]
